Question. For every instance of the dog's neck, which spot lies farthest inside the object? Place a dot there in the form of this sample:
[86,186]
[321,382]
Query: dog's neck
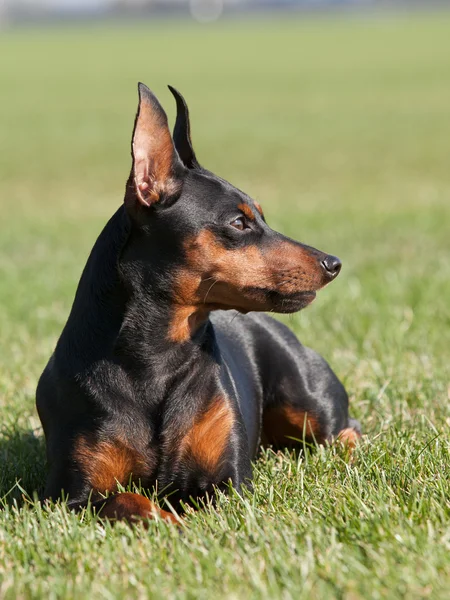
[146,345]
[130,326]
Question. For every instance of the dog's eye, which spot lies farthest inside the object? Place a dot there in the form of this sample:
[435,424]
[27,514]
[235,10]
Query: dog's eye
[239,223]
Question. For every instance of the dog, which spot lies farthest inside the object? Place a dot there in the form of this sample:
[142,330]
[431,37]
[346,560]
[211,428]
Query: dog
[168,373]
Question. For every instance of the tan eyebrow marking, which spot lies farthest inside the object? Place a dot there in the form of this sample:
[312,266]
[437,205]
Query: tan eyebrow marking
[258,208]
[245,208]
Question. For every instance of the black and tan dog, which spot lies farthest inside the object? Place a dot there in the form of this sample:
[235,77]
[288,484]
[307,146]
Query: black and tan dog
[155,377]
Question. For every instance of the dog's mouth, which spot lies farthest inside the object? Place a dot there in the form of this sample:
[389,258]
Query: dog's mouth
[258,299]
[290,303]
[275,301]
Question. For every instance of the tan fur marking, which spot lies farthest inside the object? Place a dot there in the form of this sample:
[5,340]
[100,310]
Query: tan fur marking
[281,424]
[245,208]
[208,437]
[217,278]
[106,463]
[186,313]
[153,154]
[258,208]
[180,325]
[133,508]
[251,267]
[349,437]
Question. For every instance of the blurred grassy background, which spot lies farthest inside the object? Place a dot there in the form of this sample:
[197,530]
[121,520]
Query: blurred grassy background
[340,128]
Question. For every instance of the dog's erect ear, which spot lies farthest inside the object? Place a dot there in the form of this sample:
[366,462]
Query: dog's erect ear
[157,170]
[182,132]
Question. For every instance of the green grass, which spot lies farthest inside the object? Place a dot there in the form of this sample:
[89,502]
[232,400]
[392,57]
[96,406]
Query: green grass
[341,129]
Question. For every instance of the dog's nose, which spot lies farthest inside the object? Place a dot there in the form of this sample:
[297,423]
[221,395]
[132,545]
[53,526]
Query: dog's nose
[332,265]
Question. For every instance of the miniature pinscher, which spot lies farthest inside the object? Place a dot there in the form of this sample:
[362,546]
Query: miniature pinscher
[168,373]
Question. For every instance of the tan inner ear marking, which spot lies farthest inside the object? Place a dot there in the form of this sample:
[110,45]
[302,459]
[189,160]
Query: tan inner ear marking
[104,464]
[153,156]
[245,208]
[282,423]
[209,436]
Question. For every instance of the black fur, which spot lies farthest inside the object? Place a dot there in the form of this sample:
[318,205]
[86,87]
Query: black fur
[115,372]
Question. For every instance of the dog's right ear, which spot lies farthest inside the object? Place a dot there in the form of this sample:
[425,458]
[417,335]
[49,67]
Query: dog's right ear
[157,170]
[182,132]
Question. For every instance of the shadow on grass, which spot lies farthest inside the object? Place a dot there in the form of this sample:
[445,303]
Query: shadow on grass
[22,465]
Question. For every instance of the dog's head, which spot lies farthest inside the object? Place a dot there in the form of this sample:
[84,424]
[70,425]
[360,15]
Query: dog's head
[208,240]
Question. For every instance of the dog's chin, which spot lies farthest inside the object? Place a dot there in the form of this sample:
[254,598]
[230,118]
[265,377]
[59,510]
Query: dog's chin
[292,303]
[265,301]
[272,301]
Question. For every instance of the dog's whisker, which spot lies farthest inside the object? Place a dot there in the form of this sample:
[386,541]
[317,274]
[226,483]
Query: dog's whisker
[210,288]
[233,317]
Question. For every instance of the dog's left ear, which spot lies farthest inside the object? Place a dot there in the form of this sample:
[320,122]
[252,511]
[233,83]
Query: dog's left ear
[157,170]
[182,132]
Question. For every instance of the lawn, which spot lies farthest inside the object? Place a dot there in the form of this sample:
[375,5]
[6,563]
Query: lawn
[340,128]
